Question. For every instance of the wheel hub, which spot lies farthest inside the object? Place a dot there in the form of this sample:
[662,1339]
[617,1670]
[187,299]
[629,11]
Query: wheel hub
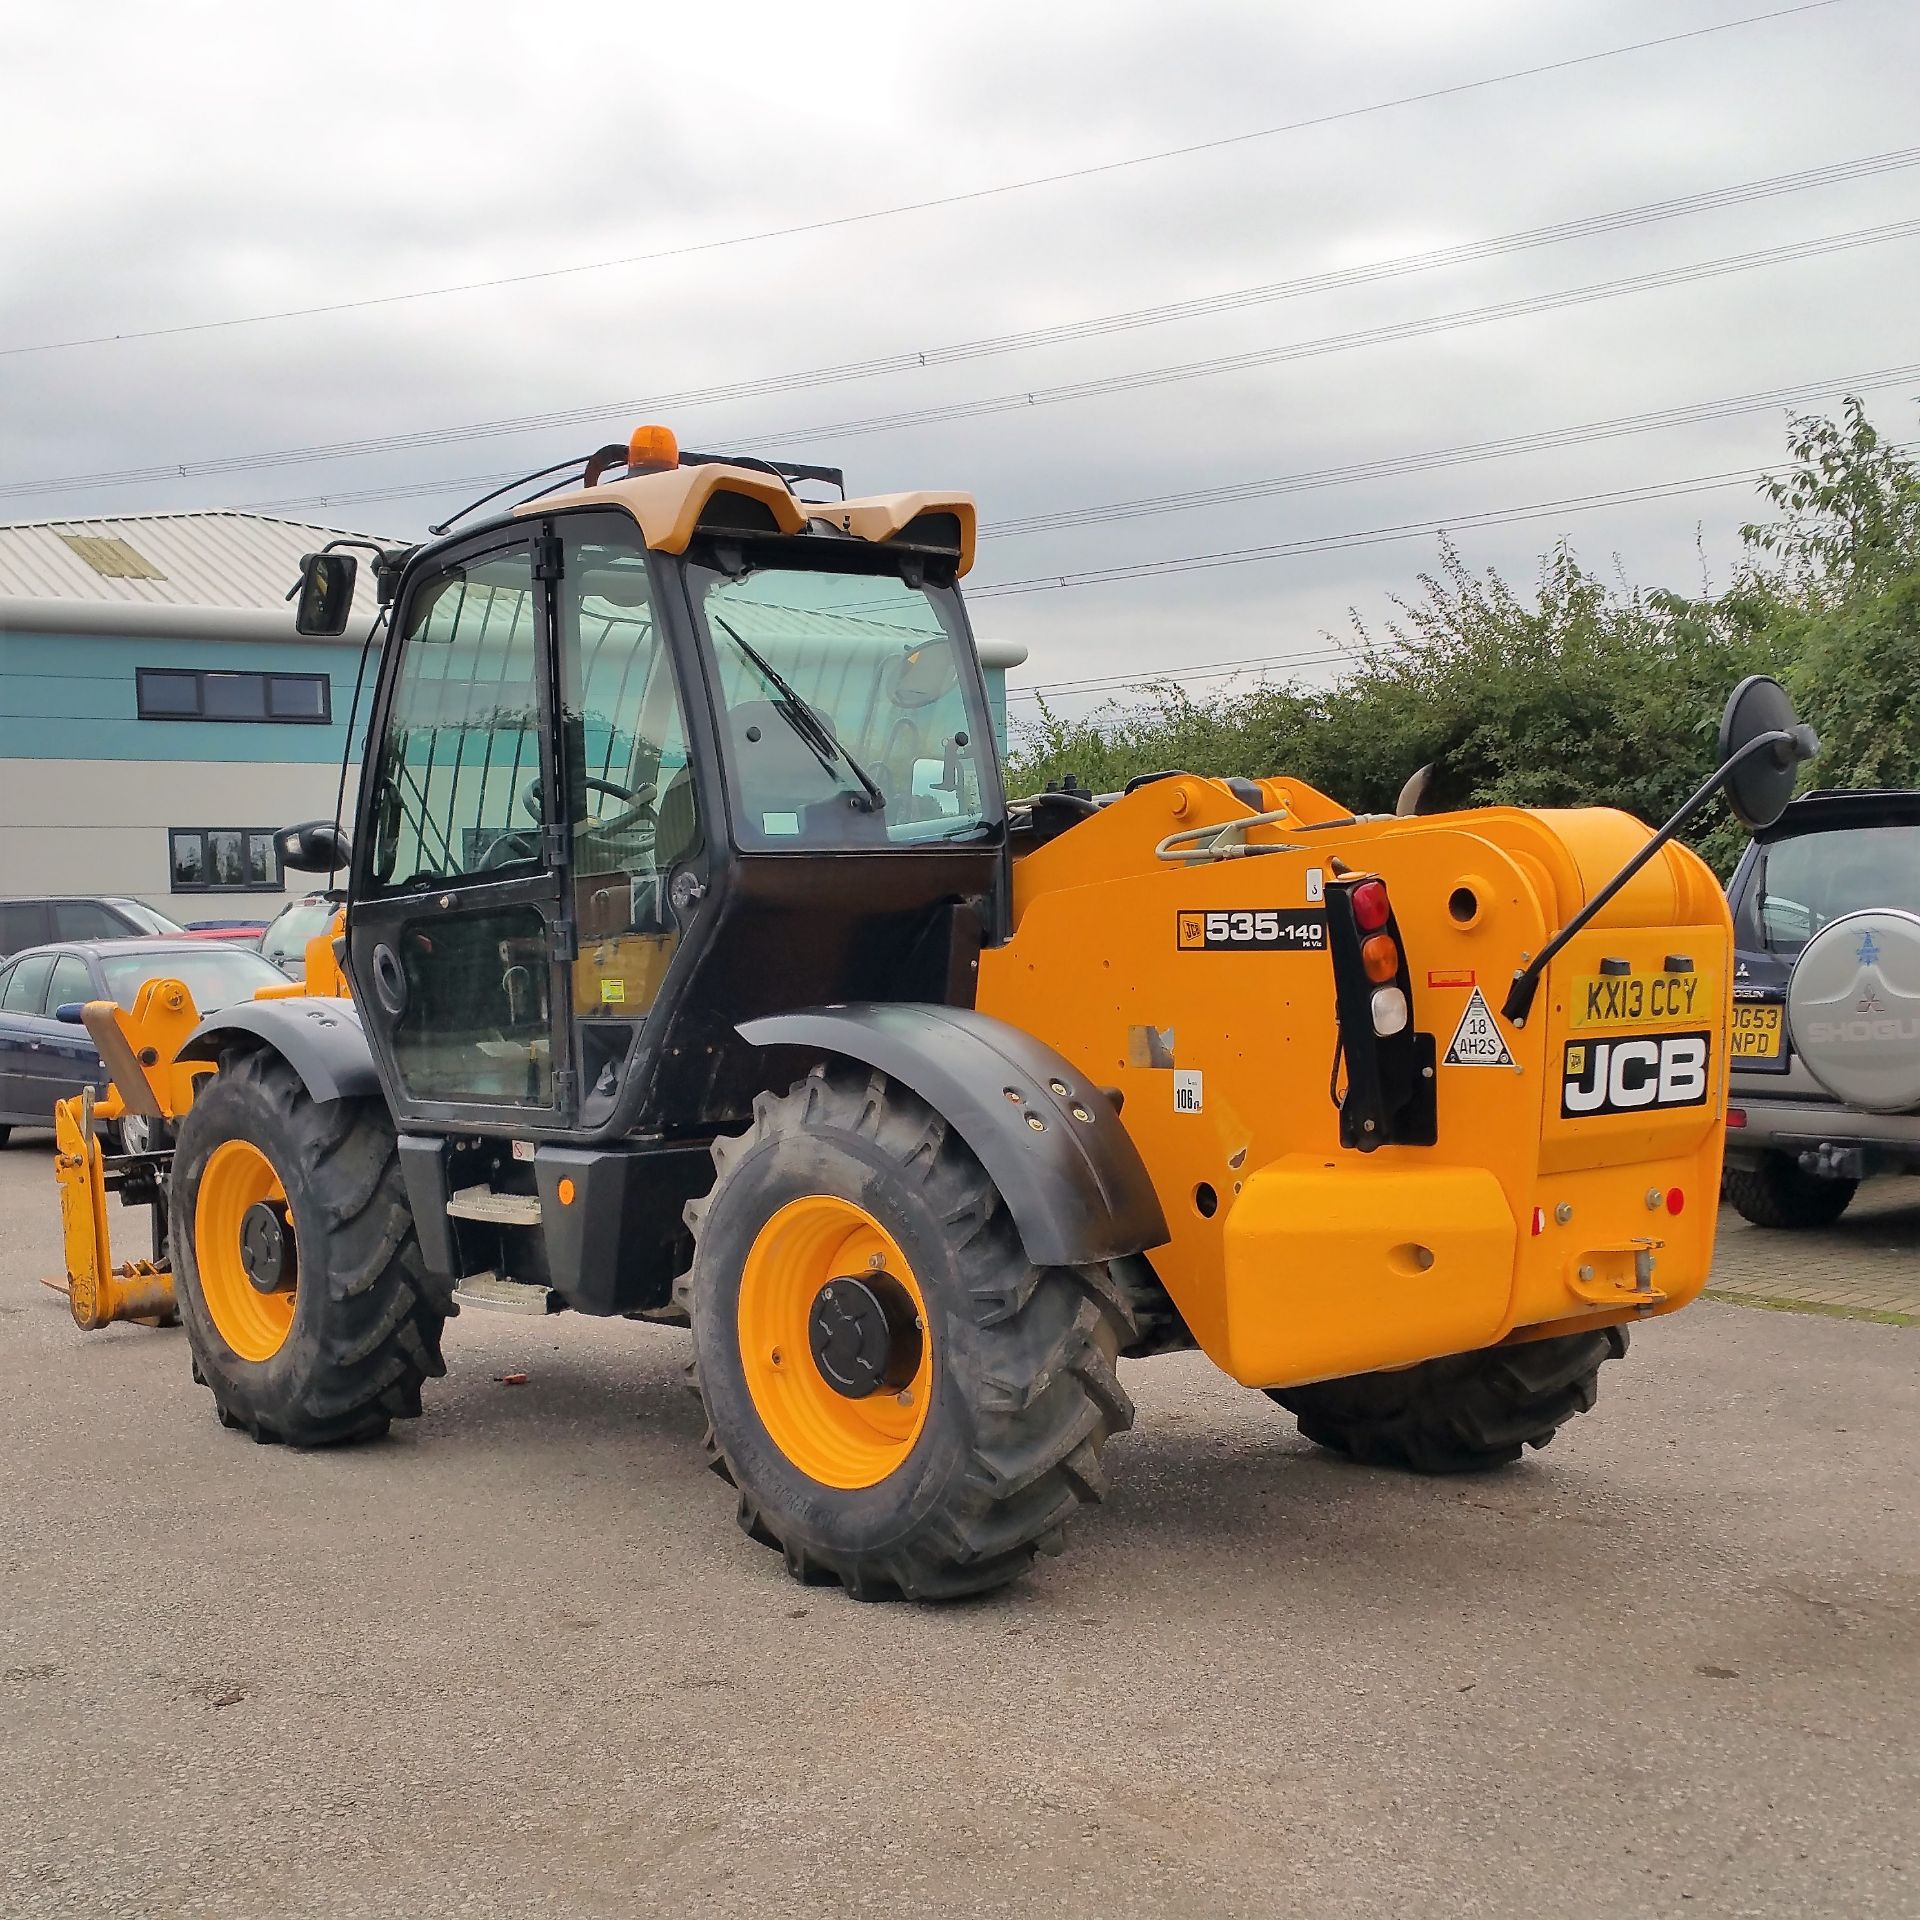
[266,1248]
[865,1335]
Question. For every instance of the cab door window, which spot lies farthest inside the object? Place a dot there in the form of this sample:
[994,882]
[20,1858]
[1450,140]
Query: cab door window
[459,773]
[636,837]
[457,811]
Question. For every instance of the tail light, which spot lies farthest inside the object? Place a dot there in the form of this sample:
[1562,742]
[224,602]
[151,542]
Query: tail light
[1388,1096]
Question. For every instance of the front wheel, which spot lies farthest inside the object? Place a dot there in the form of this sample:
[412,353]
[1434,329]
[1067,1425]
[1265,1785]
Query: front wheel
[1460,1414]
[296,1265]
[906,1404]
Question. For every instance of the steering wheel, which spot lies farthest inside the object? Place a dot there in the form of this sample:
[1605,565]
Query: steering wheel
[639,803]
[505,848]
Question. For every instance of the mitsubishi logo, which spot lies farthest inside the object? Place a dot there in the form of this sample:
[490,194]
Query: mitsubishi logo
[1869,951]
[1869,1002]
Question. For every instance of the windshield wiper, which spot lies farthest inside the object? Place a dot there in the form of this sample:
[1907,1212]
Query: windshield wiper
[826,744]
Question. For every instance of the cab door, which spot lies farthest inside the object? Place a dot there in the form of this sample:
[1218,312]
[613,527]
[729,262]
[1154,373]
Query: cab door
[460,933]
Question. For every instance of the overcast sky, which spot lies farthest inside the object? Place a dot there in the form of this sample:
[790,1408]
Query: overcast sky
[179,165]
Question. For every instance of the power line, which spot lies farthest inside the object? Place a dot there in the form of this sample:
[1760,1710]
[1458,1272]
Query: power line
[1228,363]
[1367,337]
[922,359]
[1366,537]
[915,206]
[1182,675]
[1394,466]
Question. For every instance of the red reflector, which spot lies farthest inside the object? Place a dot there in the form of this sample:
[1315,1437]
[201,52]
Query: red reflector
[1539,1220]
[1736,1116]
[1676,1200]
[1370,908]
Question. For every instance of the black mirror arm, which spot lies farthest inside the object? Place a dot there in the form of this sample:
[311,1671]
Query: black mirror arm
[1526,982]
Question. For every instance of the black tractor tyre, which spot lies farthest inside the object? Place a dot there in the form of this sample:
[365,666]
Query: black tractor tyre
[1023,1396]
[1780,1192]
[1461,1414]
[367,1317]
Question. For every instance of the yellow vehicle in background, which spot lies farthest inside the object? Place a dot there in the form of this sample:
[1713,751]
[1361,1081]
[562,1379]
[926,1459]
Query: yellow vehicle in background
[694,968]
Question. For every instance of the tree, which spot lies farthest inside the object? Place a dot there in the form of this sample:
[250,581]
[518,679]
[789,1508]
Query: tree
[1583,692]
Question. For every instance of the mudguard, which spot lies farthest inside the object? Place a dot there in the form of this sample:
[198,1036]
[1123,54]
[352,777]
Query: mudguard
[321,1040]
[1051,1141]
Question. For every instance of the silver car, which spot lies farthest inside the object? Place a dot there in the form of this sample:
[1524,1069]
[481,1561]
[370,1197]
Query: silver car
[1825,1088]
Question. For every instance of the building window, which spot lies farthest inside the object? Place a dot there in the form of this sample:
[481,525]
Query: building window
[224,860]
[172,693]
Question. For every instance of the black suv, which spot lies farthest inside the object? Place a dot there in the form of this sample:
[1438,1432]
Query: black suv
[1825,1085]
[33,920]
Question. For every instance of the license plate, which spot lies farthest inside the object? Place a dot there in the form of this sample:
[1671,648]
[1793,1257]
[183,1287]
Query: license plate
[1757,1032]
[1642,999]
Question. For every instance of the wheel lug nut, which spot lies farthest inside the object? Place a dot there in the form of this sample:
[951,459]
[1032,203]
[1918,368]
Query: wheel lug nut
[905,1396]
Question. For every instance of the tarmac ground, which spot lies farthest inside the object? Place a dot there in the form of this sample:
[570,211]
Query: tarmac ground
[518,1660]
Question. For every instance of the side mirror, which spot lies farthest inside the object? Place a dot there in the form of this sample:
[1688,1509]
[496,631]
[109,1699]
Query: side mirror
[1761,783]
[922,675]
[315,846]
[70,1013]
[326,594]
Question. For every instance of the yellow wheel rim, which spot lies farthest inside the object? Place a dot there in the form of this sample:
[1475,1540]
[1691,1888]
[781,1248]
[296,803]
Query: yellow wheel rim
[832,1437]
[237,1178]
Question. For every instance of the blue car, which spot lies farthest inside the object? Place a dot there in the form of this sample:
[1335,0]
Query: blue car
[44,1059]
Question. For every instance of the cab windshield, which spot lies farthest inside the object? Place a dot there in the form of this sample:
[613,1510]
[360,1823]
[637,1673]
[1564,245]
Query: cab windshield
[1813,878]
[849,707]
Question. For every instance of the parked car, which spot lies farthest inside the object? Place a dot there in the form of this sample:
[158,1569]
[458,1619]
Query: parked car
[1825,1083]
[285,941]
[44,1059]
[32,920]
[236,933]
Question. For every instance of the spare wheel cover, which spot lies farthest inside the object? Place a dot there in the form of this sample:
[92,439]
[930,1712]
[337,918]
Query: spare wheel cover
[1853,1009]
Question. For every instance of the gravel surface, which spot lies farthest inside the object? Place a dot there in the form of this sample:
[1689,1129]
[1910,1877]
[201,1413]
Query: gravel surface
[518,1660]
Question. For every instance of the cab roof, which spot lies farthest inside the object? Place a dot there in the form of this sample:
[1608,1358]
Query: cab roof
[714,496]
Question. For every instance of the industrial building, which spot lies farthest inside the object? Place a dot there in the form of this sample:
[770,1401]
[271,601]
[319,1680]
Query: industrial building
[159,716]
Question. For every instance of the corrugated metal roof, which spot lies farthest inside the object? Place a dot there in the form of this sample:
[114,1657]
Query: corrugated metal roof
[216,559]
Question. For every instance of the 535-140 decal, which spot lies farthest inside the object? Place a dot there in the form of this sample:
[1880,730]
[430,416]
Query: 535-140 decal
[1252,930]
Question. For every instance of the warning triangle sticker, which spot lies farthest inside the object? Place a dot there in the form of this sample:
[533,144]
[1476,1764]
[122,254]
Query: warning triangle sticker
[1477,1041]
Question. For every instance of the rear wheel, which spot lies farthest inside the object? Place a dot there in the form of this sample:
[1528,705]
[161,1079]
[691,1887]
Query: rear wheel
[1460,1414]
[295,1261]
[906,1404]
[1780,1192]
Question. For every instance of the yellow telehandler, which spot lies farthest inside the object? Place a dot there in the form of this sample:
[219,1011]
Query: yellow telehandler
[700,972]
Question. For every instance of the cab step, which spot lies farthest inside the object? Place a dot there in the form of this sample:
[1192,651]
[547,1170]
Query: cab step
[497,1209]
[494,1293]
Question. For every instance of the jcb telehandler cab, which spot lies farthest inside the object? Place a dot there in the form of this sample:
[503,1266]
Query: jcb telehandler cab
[700,972]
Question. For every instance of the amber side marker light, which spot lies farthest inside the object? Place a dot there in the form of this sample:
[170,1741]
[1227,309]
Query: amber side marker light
[652,450]
[1380,957]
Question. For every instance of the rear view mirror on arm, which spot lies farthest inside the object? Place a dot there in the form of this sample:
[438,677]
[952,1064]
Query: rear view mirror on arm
[325,588]
[1759,778]
[314,846]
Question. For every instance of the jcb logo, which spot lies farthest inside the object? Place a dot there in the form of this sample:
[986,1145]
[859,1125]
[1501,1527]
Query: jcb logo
[1628,1076]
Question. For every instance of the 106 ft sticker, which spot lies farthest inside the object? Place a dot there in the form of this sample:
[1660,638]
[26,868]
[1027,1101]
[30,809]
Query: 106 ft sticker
[1255,930]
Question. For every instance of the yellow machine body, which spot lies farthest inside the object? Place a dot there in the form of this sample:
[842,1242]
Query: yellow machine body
[1292,1258]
